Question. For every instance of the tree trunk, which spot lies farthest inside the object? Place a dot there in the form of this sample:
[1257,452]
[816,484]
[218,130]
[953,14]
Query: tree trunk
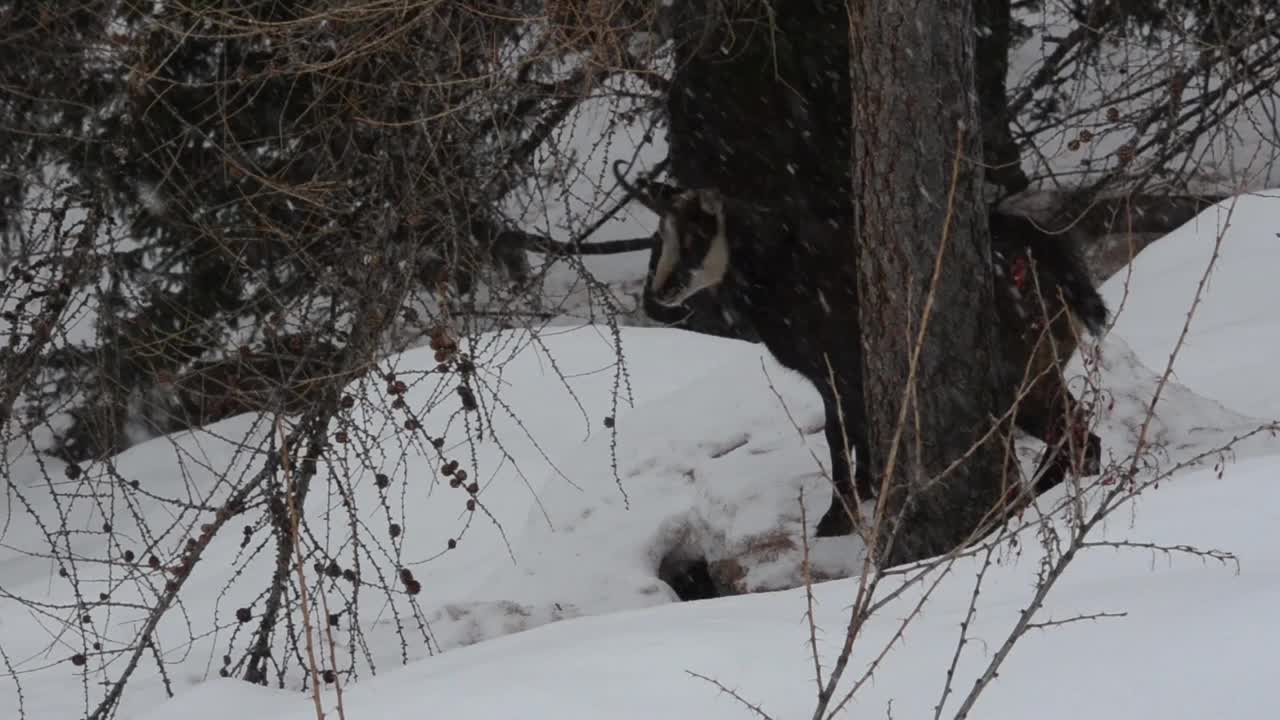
[1000,153]
[914,106]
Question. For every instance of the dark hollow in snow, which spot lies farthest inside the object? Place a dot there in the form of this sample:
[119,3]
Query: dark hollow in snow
[689,577]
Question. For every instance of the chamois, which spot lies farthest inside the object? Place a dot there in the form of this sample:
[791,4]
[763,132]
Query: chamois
[768,267]
[1044,299]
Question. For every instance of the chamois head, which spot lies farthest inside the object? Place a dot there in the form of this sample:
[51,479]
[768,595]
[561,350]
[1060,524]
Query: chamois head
[691,229]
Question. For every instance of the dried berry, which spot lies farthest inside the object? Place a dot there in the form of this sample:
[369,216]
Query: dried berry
[244,615]
[1073,145]
[348,402]
[398,403]
[454,482]
[608,421]
[449,468]
[333,620]
[381,480]
[349,576]
[62,572]
[79,660]
[452,543]
[468,398]
[437,443]
[103,597]
[106,527]
[128,556]
[471,505]
[473,488]
[153,562]
[1086,136]
[340,436]
[394,530]
[413,587]
[72,471]
[440,339]
[333,570]
[330,677]
[1113,114]
[406,574]
[411,424]
[134,484]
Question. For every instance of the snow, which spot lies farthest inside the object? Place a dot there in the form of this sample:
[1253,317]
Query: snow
[1234,336]
[1195,643]
[556,607]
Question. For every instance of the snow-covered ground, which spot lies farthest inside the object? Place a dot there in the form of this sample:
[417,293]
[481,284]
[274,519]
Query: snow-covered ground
[712,462]
[1196,641]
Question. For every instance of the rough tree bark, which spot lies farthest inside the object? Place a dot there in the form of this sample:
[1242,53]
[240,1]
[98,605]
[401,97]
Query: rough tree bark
[914,106]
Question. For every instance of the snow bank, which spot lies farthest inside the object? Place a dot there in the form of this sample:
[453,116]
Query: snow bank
[1234,337]
[713,460]
[1194,641]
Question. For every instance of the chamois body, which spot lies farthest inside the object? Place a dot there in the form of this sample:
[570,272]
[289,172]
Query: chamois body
[770,268]
[1045,301]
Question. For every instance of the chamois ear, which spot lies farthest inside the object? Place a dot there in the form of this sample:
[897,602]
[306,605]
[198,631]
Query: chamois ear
[658,197]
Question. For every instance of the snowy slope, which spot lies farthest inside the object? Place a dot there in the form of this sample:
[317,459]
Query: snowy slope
[1197,642]
[1233,339]
[713,466]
